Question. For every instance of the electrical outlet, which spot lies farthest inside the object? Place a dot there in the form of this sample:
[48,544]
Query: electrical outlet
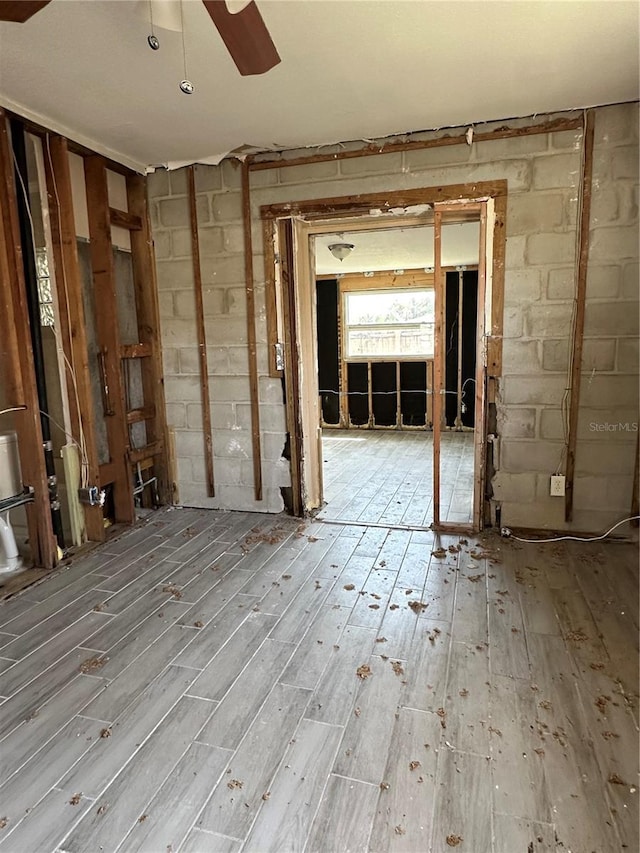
[557,486]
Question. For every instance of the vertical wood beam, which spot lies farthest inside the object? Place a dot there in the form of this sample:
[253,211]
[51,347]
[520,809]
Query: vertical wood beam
[251,333]
[148,315]
[580,300]
[437,362]
[19,367]
[201,332]
[479,436]
[107,332]
[72,316]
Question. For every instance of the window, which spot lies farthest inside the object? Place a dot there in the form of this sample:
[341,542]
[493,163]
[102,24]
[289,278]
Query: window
[381,324]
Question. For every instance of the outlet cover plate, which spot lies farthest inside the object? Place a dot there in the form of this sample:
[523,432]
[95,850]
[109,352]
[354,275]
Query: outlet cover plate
[557,486]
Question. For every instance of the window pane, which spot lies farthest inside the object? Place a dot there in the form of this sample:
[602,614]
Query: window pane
[390,306]
[389,323]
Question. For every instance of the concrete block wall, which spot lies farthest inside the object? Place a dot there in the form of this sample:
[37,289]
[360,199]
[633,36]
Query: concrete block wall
[543,175]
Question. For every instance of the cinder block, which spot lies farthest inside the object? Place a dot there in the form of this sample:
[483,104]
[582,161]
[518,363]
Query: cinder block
[231,332]
[556,170]
[211,239]
[174,212]
[520,488]
[165,304]
[214,301]
[170,361]
[629,196]
[567,139]
[176,415]
[610,319]
[516,146]
[603,281]
[228,472]
[223,270]
[522,287]
[516,172]
[624,162]
[178,332]
[272,418]
[189,360]
[194,416]
[207,178]
[609,393]
[555,354]
[601,456]
[520,357]
[551,425]
[178,181]
[162,244]
[514,251]
[614,244]
[517,423]
[174,275]
[230,389]
[181,243]
[512,322]
[388,164]
[218,361]
[631,281]
[308,173]
[233,239]
[628,356]
[185,472]
[548,320]
[158,183]
[223,415]
[185,306]
[616,124]
[427,158]
[270,390]
[519,456]
[555,248]
[533,391]
[238,361]
[561,283]
[259,179]
[181,389]
[273,445]
[604,205]
[529,213]
[226,206]
[598,355]
[189,443]
[232,444]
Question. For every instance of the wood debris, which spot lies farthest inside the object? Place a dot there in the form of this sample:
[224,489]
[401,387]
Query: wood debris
[394,606]
[318,585]
[418,606]
[91,664]
[312,538]
[495,731]
[601,703]
[539,751]
[609,735]
[173,590]
[377,597]
[266,795]
[105,732]
[464,692]
[453,840]
[577,636]
[142,818]
[286,577]
[374,607]
[349,587]
[397,667]
[381,639]
[75,799]
[399,830]
[454,549]
[413,765]
[363,671]
[443,717]
[439,553]
[98,608]
[596,665]
[408,591]
[4,821]
[101,809]
[234,783]
[356,712]
[431,636]
[384,786]
[546,704]
[198,624]
[271,537]
[474,578]
[614,779]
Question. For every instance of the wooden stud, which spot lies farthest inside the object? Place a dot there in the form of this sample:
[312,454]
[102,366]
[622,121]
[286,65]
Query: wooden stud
[141,453]
[553,126]
[494,334]
[107,332]
[72,316]
[437,361]
[459,382]
[271,305]
[124,219]
[480,444]
[251,333]
[581,292]
[150,347]
[201,333]
[20,377]
[146,413]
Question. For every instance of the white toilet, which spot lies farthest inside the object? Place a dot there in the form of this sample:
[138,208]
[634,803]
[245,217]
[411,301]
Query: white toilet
[10,487]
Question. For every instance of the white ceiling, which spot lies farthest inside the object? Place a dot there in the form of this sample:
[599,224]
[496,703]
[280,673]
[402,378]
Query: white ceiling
[350,69]
[399,249]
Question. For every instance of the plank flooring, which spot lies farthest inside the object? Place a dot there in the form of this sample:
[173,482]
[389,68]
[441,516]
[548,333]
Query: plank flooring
[386,477]
[215,681]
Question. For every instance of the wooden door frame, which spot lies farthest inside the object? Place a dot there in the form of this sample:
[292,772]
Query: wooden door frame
[355,213]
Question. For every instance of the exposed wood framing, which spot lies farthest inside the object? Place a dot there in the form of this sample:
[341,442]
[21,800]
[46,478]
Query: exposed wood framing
[268,234]
[18,364]
[437,365]
[124,219]
[291,360]
[479,448]
[136,350]
[494,334]
[385,280]
[256,163]
[107,333]
[251,334]
[72,317]
[580,302]
[201,333]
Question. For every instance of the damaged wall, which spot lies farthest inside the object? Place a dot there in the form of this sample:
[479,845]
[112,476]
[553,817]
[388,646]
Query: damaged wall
[543,175]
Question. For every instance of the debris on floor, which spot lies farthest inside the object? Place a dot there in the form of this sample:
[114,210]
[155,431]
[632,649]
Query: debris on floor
[363,671]
[453,840]
[91,664]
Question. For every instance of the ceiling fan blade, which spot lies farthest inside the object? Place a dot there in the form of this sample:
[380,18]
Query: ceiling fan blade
[19,11]
[246,37]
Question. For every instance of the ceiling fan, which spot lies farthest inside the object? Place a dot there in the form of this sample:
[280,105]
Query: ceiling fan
[244,33]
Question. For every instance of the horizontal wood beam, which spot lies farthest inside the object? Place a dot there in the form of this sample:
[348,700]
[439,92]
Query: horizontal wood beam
[141,453]
[125,220]
[136,351]
[136,416]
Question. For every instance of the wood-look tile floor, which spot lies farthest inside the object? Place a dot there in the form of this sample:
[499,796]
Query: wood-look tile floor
[386,476]
[231,682]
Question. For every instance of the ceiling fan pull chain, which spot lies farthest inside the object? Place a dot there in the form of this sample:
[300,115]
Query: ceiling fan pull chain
[186,85]
[152,41]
